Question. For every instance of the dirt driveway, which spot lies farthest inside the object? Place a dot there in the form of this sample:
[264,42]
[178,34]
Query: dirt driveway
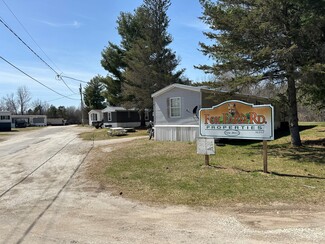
[45,198]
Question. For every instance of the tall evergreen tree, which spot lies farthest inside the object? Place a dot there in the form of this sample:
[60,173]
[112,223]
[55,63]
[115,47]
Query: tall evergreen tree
[113,56]
[112,61]
[142,63]
[93,93]
[150,63]
[261,41]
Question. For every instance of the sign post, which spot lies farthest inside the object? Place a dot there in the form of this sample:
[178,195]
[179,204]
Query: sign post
[264,156]
[236,119]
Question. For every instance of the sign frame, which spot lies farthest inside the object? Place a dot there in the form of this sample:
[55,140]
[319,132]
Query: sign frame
[259,121]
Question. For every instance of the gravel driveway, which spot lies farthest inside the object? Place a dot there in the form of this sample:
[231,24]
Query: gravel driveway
[45,198]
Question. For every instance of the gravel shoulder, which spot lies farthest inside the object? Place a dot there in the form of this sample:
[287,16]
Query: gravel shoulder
[59,204]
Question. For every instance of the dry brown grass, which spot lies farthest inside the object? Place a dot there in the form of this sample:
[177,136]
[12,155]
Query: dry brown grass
[102,134]
[172,172]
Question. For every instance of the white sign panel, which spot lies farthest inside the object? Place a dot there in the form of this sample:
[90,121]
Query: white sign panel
[205,146]
[238,120]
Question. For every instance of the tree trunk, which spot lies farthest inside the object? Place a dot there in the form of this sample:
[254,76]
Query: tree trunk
[293,113]
[142,118]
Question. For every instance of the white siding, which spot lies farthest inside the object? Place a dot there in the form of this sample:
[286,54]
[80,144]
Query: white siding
[99,114]
[176,132]
[189,99]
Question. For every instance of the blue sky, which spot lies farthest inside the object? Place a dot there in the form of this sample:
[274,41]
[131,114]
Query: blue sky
[73,33]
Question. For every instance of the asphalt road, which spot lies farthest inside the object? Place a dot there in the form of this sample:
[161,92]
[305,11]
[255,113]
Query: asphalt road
[46,198]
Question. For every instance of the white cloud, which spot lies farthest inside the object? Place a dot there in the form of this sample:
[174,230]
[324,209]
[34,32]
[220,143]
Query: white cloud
[75,24]
[198,25]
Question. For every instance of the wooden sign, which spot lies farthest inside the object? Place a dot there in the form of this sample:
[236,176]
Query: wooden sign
[239,120]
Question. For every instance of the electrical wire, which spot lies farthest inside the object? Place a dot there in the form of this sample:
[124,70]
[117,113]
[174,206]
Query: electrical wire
[21,24]
[35,79]
[74,79]
[57,74]
[55,99]
[25,29]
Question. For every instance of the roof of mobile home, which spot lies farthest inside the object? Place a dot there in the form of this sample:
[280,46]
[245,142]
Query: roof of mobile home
[181,86]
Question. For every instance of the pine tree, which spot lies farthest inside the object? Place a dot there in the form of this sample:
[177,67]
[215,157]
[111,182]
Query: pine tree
[112,61]
[93,93]
[142,63]
[263,41]
[150,63]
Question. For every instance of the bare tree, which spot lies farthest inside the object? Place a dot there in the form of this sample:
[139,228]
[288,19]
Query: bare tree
[23,98]
[40,107]
[3,104]
[9,103]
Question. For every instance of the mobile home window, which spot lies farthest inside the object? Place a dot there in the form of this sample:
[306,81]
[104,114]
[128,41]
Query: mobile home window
[5,117]
[175,107]
[107,117]
[94,117]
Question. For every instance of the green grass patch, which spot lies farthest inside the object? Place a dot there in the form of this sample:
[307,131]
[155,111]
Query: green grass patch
[172,172]
[102,134]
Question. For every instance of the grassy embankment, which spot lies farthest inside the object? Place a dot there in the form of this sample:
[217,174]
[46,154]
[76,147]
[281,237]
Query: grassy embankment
[172,172]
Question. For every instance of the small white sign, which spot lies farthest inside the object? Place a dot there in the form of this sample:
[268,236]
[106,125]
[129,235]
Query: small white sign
[206,146]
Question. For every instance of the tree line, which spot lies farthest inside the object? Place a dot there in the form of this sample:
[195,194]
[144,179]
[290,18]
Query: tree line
[20,103]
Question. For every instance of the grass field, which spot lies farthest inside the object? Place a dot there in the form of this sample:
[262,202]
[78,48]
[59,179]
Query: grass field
[102,134]
[172,172]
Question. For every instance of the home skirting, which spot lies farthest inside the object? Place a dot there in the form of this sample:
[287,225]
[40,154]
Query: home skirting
[176,132]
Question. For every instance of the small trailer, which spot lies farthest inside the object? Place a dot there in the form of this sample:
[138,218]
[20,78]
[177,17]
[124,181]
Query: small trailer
[56,121]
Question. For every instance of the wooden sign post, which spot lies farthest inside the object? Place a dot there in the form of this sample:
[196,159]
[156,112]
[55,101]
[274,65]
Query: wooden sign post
[207,159]
[264,156]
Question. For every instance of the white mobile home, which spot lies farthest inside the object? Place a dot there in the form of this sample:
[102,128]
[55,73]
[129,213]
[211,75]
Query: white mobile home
[176,108]
[95,115]
[30,120]
[117,117]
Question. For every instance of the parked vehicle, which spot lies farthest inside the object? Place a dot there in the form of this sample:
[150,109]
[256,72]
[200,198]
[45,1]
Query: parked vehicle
[20,123]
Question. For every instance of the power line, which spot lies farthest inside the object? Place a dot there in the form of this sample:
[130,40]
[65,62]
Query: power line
[21,24]
[55,99]
[58,75]
[36,79]
[73,79]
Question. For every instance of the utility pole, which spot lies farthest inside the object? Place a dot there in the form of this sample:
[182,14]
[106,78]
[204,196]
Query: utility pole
[82,106]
